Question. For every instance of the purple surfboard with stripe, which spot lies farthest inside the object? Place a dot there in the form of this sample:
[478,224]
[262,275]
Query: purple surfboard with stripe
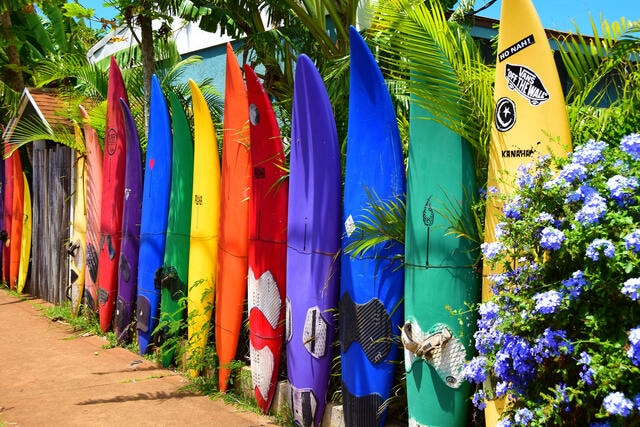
[313,241]
[130,243]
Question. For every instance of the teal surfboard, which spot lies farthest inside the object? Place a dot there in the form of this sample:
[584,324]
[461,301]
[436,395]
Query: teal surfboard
[439,274]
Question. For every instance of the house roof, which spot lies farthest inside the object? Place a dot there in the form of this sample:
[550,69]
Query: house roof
[46,104]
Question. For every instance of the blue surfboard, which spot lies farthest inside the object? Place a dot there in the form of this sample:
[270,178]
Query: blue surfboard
[155,213]
[371,283]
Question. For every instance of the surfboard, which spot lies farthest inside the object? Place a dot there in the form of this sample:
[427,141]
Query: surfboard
[93,164]
[17,220]
[233,243]
[313,244]
[440,275]
[8,216]
[113,167]
[203,248]
[530,118]
[130,243]
[267,255]
[176,254]
[77,244]
[25,247]
[2,213]
[371,286]
[155,212]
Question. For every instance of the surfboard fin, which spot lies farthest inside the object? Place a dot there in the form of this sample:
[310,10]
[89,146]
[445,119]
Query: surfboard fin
[438,347]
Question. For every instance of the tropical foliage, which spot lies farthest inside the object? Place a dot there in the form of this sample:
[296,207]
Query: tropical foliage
[560,337]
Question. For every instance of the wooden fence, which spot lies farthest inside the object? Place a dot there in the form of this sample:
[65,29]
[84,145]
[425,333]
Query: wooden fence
[51,186]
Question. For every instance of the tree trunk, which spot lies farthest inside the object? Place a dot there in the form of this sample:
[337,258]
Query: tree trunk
[12,71]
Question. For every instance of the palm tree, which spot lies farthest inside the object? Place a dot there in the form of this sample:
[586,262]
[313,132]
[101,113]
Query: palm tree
[604,72]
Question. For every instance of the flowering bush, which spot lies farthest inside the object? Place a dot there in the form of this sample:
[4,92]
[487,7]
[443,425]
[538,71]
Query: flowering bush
[560,338]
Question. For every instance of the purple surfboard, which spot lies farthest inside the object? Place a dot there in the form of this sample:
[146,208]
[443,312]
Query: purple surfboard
[130,243]
[313,240]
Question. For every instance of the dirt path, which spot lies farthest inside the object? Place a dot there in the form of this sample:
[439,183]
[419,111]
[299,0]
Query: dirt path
[49,376]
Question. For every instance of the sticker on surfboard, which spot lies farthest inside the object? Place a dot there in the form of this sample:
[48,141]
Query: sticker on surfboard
[526,82]
[505,114]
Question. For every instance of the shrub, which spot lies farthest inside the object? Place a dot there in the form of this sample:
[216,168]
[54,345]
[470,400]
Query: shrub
[560,337]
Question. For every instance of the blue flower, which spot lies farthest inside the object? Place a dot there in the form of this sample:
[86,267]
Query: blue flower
[587,372]
[500,231]
[632,241]
[547,302]
[505,422]
[551,343]
[589,153]
[617,404]
[631,287]
[573,286]
[636,401]
[634,348]
[594,208]
[551,238]
[604,423]
[593,250]
[491,250]
[621,188]
[630,144]
[475,371]
[479,400]
[573,172]
[512,209]
[524,178]
[523,416]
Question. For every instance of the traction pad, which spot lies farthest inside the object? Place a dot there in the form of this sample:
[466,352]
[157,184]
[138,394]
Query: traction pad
[122,323]
[438,347]
[125,269]
[103,296]
[368,324]
[262,366]
[361,410]
[314,335]
[305,405]
[144,314]
[92,262]
[170,281]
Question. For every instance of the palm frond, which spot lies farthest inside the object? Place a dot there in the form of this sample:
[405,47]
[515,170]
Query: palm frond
[383,221]
[442,64]
[32,129]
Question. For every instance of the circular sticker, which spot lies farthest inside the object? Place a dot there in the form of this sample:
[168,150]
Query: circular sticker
[505,114]
[112,141]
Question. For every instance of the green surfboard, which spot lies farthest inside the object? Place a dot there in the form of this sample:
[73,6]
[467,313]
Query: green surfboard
[176,255]
[440,277]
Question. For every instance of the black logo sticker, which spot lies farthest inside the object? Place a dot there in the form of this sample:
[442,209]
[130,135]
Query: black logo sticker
[505,114]
[527,83]
[516,47]
[112,141]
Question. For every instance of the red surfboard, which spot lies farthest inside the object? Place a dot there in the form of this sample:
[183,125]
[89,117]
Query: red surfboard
[267,243]
[17,219]
[113,172]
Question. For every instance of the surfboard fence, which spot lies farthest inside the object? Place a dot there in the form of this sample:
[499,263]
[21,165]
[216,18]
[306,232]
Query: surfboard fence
[51,189]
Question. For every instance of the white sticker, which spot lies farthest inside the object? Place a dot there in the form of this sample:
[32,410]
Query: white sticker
[350,226]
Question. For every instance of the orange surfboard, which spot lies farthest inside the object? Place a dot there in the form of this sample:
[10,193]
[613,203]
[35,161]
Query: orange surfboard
[231,289]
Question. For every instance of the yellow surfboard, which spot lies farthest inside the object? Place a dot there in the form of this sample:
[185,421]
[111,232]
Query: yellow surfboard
[77,245]
[203,247]
[530,117]
[25,246]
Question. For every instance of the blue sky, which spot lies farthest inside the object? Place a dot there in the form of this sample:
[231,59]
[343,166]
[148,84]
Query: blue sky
[555,14]
[558,14]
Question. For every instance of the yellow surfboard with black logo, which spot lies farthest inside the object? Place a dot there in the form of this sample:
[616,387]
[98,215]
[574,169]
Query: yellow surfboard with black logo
[530,117]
